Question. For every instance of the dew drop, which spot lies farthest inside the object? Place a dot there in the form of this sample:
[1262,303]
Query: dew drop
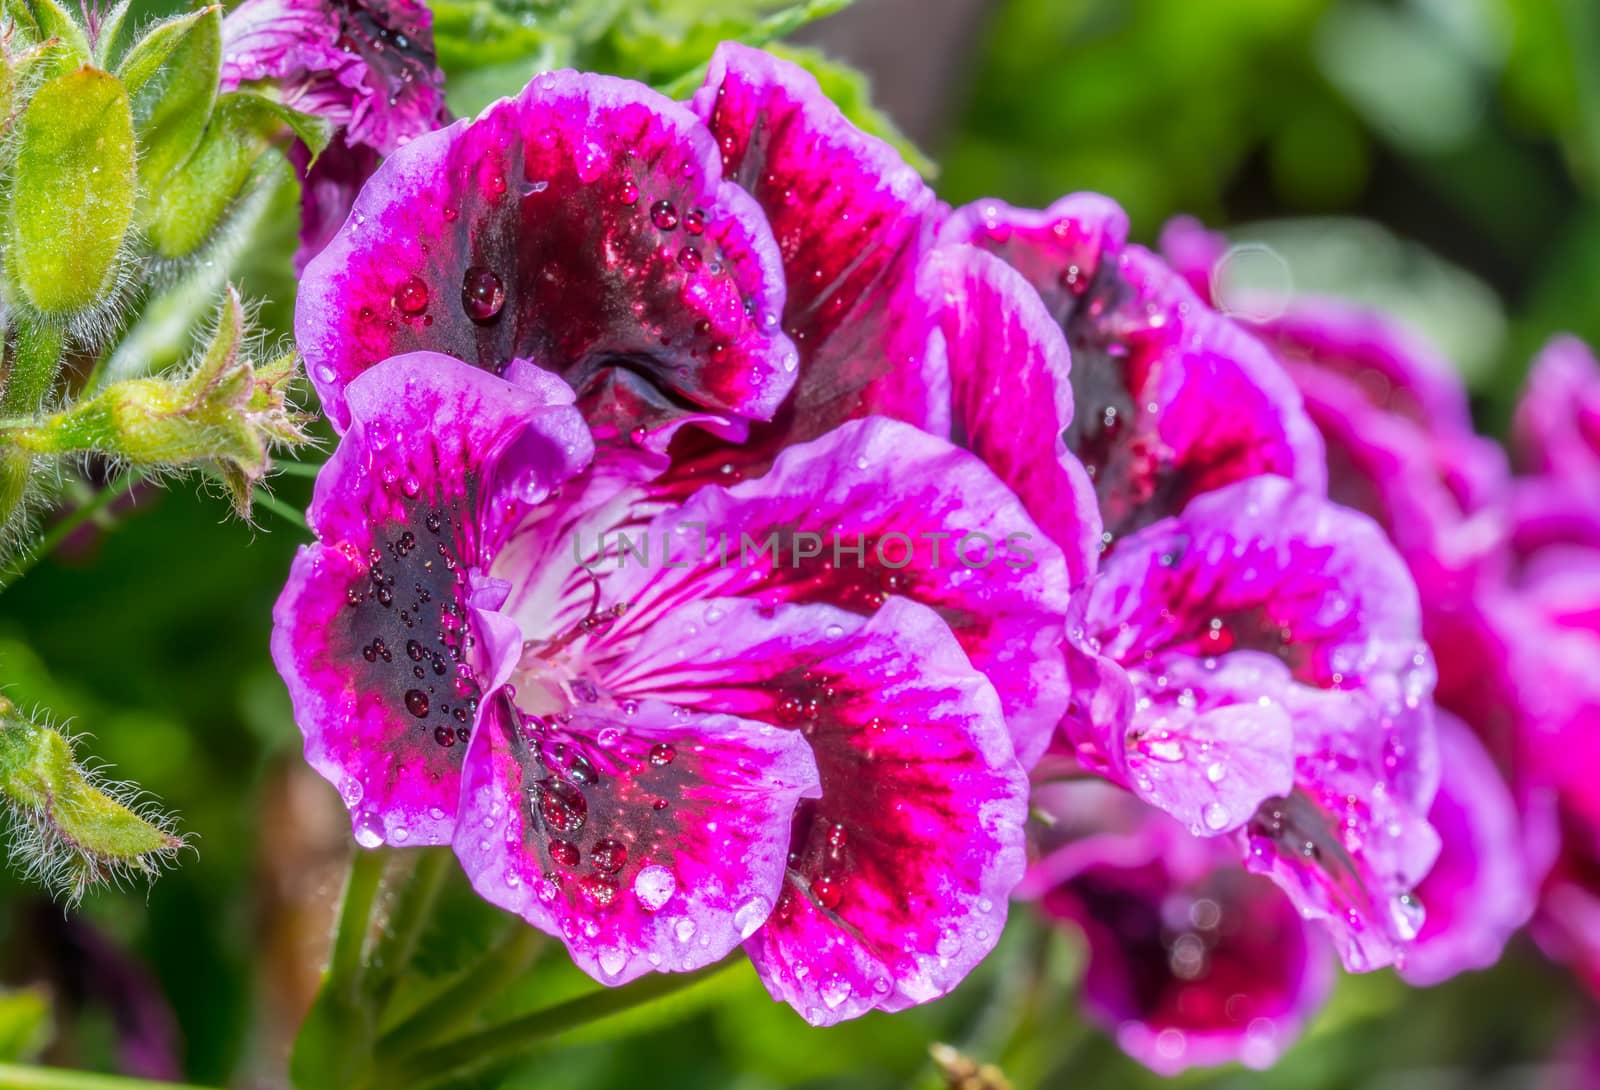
[412,296]
[417,702]
[612,962]
[751,915]
[684,929]
[608,855]
[565,853]
[662,754]
[369,830]
[561,805]
[694,221]
[654,886]
[1215,815]
[835,990]
[482,293]
[628,193]
[663,215]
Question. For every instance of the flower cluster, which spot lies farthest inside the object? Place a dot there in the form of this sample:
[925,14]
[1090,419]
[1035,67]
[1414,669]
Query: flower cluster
[727,543]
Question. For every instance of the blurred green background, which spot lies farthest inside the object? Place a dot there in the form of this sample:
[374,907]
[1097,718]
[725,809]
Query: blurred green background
[1440,156]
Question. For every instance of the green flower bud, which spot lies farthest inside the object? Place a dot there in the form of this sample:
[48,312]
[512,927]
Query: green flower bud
[224,412]
[71,195]
[171,75]
[195,200]
[68,830]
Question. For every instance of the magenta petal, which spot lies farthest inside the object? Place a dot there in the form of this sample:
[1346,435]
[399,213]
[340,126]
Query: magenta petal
[1011,387]
[851,220]
[1483,887]
[1172,399]
[1266,570]
[384,632]
[874,509]
[1210,745]
[1191,961]
[583,224]
[644,836]
[1557,427]
[899,873]
[368,66]
[1263,566]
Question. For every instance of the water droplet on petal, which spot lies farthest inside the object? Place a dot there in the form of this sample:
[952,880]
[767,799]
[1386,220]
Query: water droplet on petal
[412,296]
[612,961]
[482,293]
[663,215]
[684,929]
[417,702]
[655,886]
[751,915]
[1215,815]
[369,830]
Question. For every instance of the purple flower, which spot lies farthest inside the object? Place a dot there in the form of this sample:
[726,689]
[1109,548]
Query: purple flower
[366,66]
[1557,428]
[1394,418]
[658,755]
[1191,960]
[1280,696]
[583,225]
[1169,399]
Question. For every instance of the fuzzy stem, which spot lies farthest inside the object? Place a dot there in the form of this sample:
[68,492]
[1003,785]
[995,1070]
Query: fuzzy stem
[409,915]
[33,368]
[19,1077]
[516,1037]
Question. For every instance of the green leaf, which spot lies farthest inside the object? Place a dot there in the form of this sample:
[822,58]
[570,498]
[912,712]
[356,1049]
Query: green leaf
[667,42]
[171,75]
[72,192]
[851,91]
[196,198]
[54,20]
[24,1024]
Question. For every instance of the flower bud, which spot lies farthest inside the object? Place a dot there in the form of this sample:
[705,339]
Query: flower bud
[171,75]
[71,194]
[67,830]
[196,199]
[224,411]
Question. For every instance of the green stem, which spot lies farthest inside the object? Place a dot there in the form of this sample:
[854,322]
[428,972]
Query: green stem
[345,965]
[33,368]
[282,510]
[17,1077]
[516,1037]
[64,528]
[409,917]
[500,965]
[288,469]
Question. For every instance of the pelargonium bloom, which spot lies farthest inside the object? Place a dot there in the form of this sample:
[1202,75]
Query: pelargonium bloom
[659,756]
[1281,696]
[366,66]
[586,224]
[1169,399]
[1192,961]
[1394,417]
